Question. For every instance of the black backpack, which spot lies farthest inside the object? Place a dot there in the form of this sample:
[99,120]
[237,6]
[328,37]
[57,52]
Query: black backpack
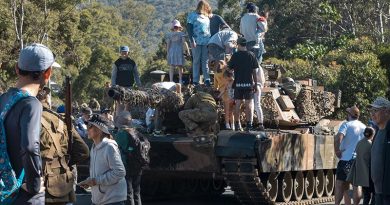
[141,147]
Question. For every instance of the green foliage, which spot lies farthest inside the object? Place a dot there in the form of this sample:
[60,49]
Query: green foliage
[308,50]
[329,12]
[303,69]
[384,56]
[160,64]
[89,82]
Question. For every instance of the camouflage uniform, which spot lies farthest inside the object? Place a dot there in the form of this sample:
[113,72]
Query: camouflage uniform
[200,111]
[59,178]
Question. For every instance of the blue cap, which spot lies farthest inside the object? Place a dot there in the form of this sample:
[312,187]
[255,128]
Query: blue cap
[61,109]
[251,7]
[35,57]
[124,49]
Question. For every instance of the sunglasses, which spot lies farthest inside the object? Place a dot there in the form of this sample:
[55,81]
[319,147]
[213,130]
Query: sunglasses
[374,110]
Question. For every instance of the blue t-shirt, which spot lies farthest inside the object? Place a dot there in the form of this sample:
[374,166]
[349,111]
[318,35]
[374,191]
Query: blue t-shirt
[353,133]
[200,28]
[22,127]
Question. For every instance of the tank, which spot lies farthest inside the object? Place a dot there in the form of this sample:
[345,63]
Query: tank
[291,162]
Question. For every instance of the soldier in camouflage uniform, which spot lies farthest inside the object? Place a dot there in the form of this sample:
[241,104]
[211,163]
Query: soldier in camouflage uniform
[200,114]
[57,168]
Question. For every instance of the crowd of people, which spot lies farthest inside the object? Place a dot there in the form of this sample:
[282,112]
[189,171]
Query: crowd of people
[40,152]
[38,163]
[363,156]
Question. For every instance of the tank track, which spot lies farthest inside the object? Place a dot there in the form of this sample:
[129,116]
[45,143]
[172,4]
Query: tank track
[243,177]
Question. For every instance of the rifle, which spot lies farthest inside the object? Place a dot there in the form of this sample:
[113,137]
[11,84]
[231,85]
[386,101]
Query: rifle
[68,112]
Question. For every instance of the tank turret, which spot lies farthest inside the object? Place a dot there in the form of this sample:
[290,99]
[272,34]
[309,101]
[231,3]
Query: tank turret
[290,103]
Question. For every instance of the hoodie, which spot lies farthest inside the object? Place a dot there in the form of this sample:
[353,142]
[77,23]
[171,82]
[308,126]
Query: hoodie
[108,170]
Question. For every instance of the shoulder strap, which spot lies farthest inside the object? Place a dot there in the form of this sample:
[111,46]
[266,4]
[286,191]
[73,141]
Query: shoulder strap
[56,141]
[12,184]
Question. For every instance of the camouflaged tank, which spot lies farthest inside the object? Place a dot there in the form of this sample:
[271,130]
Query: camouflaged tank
[291,162]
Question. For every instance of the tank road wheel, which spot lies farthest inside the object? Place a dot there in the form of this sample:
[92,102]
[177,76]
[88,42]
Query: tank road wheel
[271,184]
[285,185]
[329,182]
[309,185]
[320,183]
[193,185]
[218,185]
[204,185]
[298,186]
[186,186]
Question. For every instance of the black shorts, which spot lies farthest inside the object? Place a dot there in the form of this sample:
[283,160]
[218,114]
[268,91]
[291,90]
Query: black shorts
[243,94]
[342,171]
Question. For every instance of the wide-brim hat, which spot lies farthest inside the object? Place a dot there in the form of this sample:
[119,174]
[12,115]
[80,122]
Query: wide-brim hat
[380,102]
[86,110]
[353,111]
[99,122]
[176,23]
[123,120]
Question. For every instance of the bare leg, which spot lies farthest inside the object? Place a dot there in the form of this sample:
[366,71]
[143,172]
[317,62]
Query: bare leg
[171,72]
[339,191]
[347,198]
[237,111]
[226,106]
[180,74]
[357,194]
[231,116]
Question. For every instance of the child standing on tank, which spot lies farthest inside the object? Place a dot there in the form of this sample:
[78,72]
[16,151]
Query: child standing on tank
[176,46]
[227,96]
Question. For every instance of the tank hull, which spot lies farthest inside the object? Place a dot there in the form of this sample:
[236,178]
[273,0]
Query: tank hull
[274,166]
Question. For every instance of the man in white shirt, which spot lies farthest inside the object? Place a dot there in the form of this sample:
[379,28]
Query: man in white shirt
[349,134]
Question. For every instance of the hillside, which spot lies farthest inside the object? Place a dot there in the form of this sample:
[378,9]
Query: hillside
[165,12]
[169,9]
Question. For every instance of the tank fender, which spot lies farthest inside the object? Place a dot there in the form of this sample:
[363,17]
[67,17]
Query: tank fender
[237,144]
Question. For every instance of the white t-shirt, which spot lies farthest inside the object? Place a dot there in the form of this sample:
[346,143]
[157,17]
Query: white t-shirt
[353,133]
[248,26]
[166,85]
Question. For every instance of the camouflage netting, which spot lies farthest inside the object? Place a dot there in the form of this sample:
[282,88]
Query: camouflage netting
[269,107]
[312,105]
[162,99]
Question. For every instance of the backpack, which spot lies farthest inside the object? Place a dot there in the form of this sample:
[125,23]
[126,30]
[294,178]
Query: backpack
[141,147]
[59,179]
[9,183]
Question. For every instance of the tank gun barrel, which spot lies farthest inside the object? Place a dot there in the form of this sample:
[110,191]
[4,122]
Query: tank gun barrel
[163,99]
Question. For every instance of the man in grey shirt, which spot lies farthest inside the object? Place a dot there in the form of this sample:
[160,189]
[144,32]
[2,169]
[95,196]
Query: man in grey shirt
[380,151]
[23,121]
[222,43]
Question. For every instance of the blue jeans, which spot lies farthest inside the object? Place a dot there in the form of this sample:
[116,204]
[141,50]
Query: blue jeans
[200,60]
[257,51]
